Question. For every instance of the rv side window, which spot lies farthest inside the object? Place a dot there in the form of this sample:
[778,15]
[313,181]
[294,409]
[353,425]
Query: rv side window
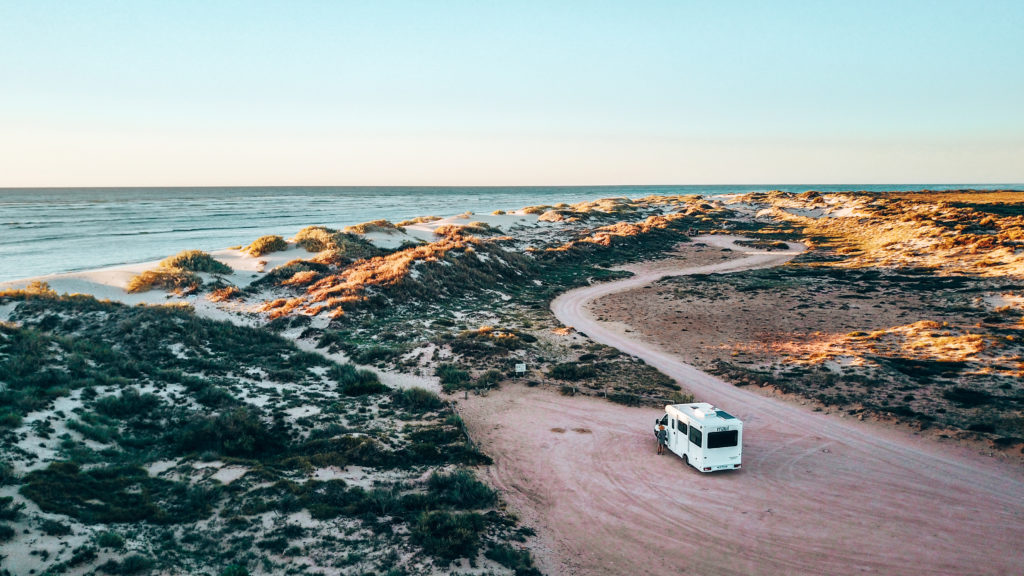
[722,439]
[695,436]
[682,426]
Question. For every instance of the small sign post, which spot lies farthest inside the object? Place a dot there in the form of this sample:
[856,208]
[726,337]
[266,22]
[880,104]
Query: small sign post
[520,369]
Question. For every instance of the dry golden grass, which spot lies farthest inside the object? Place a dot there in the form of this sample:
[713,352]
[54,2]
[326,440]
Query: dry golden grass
[178,273]
[418,220]
[909,231]
[373,226]
[552,216]
[604,234]
[163,279]
[266,244]
[331,292]
[314,238]
[225,294]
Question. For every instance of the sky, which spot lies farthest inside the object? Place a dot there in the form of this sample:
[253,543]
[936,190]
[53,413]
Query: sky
[300,92]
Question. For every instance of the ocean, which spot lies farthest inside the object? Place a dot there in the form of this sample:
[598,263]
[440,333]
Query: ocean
[54,230]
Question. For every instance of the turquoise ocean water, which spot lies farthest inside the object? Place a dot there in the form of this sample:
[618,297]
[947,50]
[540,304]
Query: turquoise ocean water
[48,231]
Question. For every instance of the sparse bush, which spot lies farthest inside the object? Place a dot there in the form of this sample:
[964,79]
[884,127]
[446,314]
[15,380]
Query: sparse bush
[224,294]
[461,489]
[373,226]
[6,532]
[418,399]
[480,229]
[489,379]
[114,494]
[373,354]
[195,261]
[678,397]
[967,397]
[82,555]
[314,238]
[54,528]
[130,403]
[164,279]
[625,398]
[418,220]
[9,510]
[133,564]
[355,382]
[452,377]
[519,561]
[235,570]
[447,535]
[239,432]
[572,371]
[266,244]
[111,540]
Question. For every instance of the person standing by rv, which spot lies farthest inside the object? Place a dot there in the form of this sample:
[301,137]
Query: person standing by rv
[662,439]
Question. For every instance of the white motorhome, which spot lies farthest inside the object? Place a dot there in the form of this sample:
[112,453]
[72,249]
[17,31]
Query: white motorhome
[705,437]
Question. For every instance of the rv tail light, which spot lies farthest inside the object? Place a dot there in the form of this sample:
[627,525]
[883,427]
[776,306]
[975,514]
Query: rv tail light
[708,469]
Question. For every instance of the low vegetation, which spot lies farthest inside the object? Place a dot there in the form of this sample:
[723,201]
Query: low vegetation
[178,273]
[265,245]
[179,444]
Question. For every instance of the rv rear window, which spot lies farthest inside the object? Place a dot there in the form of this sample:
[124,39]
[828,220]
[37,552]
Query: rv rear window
[695,436]
[722,439]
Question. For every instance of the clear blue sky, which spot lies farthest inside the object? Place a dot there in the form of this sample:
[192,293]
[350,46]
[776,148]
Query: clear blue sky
[446,93]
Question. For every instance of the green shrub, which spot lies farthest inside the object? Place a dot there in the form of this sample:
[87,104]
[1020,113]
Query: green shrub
[519,561]
[8,510]
[9,419]
[461,489]
[133,564]
[54,528]
[82,555]
[111,540]
[624,398]
[418,399]
[572,371]
[196,261]
[452,377]
[115,494]
[235,570]
[130,403]
[239,432]
[355,382]
[372,355]
[489,379]
[6,532]
[266,244]
[448,535]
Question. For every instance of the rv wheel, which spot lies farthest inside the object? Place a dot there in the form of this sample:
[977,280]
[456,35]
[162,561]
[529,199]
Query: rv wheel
[685,459]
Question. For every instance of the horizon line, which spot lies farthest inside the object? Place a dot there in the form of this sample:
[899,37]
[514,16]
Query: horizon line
[496,186]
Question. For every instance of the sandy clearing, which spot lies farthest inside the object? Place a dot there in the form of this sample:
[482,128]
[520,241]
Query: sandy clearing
[818,494]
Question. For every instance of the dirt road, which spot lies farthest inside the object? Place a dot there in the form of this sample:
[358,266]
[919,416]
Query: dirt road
[818,494]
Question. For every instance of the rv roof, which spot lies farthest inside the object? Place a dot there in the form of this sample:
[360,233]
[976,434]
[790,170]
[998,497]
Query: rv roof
[704,412]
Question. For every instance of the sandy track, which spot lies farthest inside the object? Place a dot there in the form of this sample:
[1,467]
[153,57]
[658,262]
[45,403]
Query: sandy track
[818,494]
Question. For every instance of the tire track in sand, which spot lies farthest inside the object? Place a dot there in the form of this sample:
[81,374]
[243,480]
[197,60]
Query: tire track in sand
[817,495]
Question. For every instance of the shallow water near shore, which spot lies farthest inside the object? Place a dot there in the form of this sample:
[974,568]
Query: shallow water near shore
[54,230]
